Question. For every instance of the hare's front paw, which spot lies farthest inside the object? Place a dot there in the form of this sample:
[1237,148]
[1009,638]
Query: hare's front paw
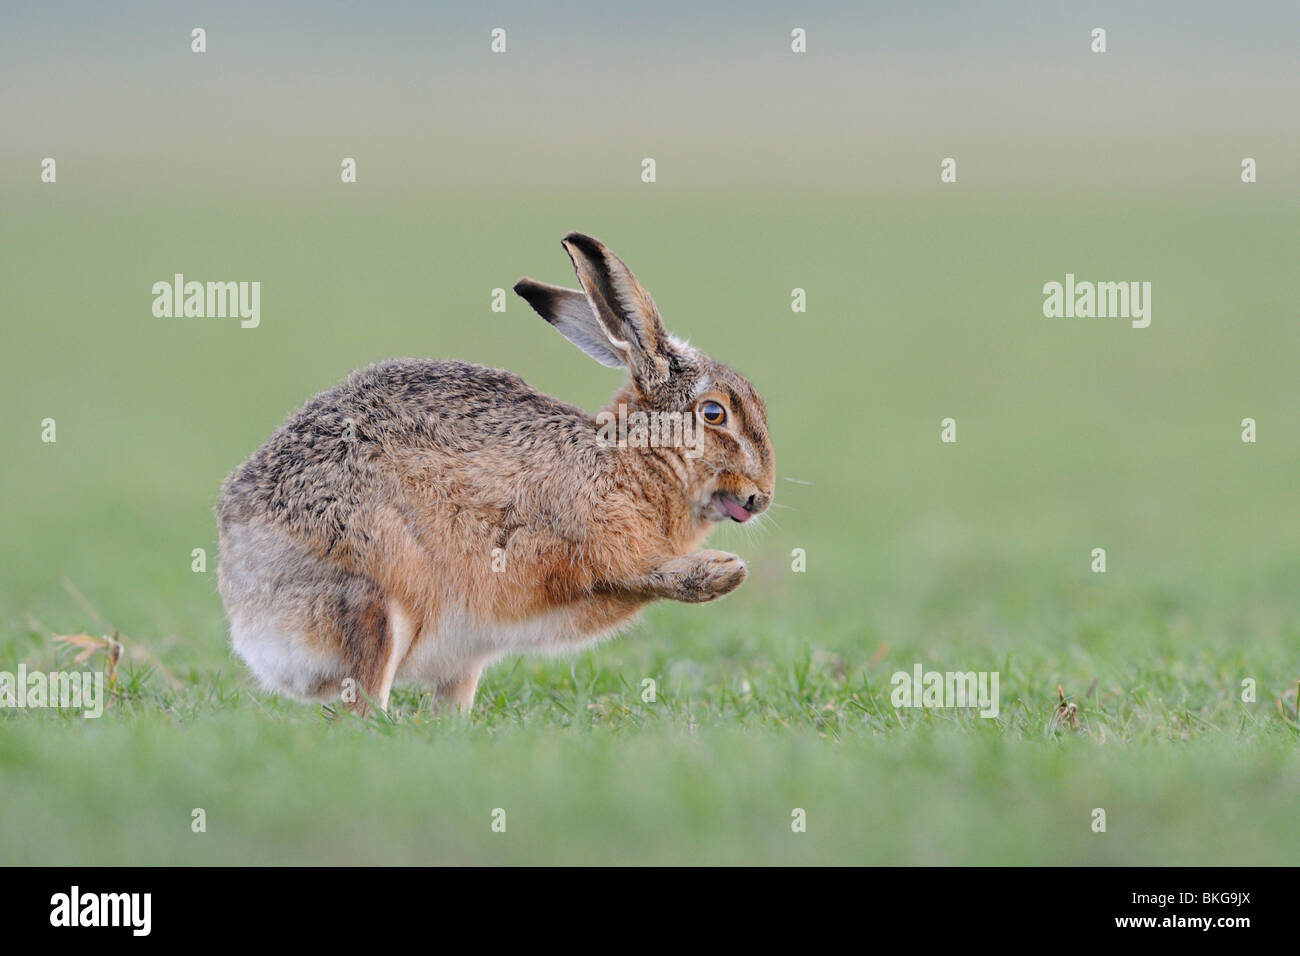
[699,577]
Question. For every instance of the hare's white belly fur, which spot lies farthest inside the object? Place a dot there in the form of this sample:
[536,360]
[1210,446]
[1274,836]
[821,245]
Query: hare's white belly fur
[279,582]
[282,659]
[454,645]
[447,651]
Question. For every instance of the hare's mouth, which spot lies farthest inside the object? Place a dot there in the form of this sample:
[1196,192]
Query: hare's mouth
[729,507]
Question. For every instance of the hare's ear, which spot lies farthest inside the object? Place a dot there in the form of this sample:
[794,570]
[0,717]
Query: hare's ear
[625,310]
[572,313]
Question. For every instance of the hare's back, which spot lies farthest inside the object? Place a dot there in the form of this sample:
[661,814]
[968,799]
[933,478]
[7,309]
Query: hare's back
[353,445]
[444,401]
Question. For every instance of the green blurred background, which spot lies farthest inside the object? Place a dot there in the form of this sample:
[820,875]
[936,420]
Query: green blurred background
[774,171]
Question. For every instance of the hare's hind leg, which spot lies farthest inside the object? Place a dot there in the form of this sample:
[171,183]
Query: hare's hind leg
[306,627]
[374,635]
[401,632]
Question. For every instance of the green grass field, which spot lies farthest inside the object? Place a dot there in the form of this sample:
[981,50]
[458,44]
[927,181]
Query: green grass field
[1072,435]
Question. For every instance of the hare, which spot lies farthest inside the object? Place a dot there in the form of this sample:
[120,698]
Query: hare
[424,518]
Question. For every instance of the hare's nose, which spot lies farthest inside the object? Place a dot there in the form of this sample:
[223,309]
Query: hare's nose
[756,503]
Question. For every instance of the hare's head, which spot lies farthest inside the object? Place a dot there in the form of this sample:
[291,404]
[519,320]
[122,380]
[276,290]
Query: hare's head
[700,417]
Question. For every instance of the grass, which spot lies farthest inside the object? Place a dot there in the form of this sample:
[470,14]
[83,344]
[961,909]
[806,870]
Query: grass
[973,556]
[588,772]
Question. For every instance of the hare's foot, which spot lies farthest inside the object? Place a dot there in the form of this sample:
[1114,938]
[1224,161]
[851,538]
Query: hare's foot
[696,578]
[459,691]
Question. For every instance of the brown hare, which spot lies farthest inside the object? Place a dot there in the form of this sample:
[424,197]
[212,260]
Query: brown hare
[424,518]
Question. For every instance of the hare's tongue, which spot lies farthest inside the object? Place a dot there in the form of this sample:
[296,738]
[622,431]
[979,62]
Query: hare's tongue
[733,509]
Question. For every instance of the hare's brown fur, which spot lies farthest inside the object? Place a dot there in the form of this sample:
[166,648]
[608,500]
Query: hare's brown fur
[423,518]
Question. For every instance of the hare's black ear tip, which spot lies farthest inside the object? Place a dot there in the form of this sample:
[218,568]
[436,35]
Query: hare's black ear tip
[582,242]
[541,297]
[529,290]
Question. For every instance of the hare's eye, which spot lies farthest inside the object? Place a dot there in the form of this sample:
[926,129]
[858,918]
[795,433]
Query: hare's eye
[712,413]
